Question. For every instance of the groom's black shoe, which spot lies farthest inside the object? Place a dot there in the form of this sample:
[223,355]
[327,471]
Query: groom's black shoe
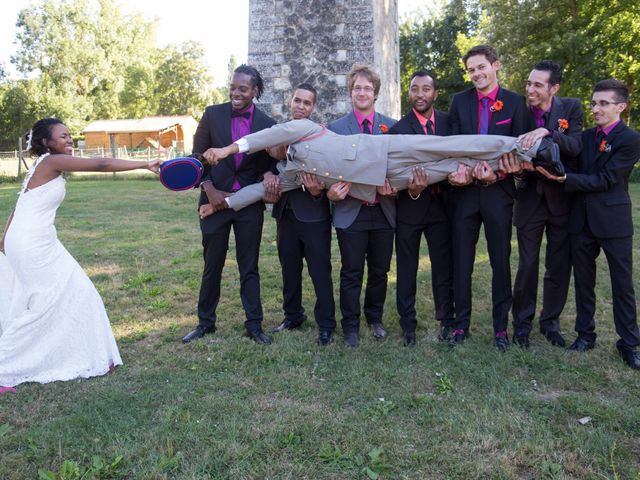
[197,332]
[548,157]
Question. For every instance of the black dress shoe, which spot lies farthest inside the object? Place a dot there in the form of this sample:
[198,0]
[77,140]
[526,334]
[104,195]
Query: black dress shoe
[445,333]
[548,157]
[521,339]
[554,338]
[286,325]
[259,336]
[197,332]
[502,343]
[351,340]
[409,339]
[630,356]
[457,338]
[325,338]
[379,331]
[582,345]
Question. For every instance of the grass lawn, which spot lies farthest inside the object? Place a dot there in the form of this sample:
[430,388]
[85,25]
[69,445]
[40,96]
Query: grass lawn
[225,408]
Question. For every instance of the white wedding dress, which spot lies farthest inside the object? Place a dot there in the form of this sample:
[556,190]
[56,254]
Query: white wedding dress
[53,325]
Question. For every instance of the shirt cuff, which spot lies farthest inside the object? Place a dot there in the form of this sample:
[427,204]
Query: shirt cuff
[243,145]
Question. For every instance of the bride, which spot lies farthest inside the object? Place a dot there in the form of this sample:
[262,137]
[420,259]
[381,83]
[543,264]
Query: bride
[53,325]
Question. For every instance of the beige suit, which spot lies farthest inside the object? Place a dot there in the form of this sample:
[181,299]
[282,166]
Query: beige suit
[366,160]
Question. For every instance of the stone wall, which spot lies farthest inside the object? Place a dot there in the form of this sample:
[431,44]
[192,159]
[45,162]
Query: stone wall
[317,41]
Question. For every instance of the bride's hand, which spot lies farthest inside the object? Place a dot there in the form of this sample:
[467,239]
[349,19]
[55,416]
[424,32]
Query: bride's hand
[154,166]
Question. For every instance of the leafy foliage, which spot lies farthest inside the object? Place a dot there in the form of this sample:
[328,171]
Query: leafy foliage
[81,62]
[592,39]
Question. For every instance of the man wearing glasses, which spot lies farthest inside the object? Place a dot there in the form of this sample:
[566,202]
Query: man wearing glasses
[601,219]
[365,230]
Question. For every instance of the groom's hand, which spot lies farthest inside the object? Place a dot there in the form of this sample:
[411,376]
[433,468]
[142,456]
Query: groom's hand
[205,210]
[214,155]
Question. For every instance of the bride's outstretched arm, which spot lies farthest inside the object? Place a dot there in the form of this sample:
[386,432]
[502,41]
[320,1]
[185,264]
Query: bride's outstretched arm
[4,232]
[69,163]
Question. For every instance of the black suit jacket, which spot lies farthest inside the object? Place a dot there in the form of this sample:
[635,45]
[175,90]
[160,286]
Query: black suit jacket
[513,120]
[534,188]
[415,211]
[214,131]
[306,208]
[602,183]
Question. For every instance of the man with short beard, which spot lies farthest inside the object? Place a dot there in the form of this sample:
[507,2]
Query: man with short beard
[421,210]
[542,206]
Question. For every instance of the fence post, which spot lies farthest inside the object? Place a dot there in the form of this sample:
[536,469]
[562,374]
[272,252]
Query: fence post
[20,156]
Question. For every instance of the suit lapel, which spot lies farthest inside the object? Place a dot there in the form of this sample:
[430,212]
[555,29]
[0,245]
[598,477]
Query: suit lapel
[414,123]
[556,113]
[498,116]
[441,123]
[472,112]
[603,157]
[222,125]
[353,123]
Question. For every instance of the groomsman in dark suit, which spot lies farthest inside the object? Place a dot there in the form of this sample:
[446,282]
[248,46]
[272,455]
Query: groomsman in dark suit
[365,230]
[219,126]
[304,232]
[542,206]
[420,210]
[600,219]
[485,109]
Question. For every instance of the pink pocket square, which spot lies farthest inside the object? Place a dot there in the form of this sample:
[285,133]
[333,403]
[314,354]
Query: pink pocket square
[504,122]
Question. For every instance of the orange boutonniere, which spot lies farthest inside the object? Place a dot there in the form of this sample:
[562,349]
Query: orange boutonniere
[563,124]
[383,128]
[604,147]
[497,106]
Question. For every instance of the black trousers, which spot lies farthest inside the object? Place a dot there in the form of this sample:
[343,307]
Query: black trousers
[472,207]
[247,229]
[369,238]
[557,262]
[311,241]
[585,248]
[437,232]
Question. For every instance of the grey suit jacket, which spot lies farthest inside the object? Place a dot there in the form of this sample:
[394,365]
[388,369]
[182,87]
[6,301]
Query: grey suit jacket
[365,160]
[346,211]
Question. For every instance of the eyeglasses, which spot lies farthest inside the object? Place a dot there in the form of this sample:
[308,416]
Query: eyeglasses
[603,104]
[365,89]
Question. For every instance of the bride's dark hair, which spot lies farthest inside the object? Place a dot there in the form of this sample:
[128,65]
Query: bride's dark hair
[38,135]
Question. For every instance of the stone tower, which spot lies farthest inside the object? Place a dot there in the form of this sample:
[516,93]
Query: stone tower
[317,41]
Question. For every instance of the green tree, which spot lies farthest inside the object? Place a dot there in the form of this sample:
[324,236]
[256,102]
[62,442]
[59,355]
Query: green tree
[431,43]
[592,39]
[183,84]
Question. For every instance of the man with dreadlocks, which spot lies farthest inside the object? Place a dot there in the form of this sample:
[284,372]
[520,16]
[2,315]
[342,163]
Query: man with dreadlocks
[219,126]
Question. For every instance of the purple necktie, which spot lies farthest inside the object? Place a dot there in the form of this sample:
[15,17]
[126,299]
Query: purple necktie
[484,116]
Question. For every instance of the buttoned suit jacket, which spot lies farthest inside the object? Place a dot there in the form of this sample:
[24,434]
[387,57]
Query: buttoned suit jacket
[601,185]
[512,120]
[409,210]
[534,188]
[214,131]
[365,160]
[346,211]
